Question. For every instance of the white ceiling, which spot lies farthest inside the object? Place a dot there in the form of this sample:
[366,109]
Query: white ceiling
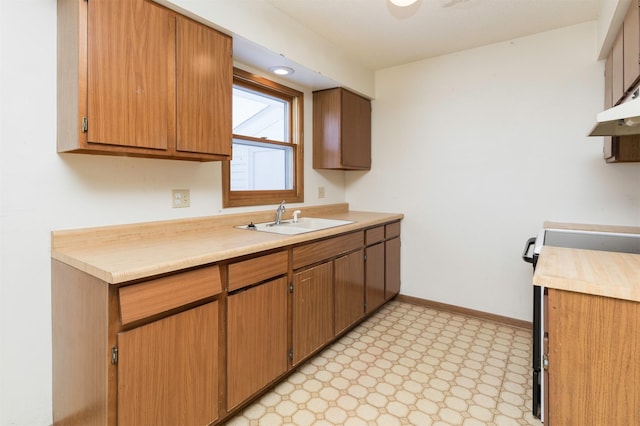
[380,35]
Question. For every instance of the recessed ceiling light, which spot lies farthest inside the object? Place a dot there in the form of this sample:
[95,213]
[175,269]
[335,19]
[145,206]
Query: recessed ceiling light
[281,70]
[403,3]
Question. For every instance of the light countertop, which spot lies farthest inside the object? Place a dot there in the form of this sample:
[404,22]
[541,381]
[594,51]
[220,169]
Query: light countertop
[117,254]
[600,273]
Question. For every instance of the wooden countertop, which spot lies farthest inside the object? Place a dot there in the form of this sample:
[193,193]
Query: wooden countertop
[593,272]
[121,253]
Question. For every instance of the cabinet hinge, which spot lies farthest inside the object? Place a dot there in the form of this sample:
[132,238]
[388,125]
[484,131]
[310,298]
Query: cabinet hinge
[291,287]
[545,361]
[291,354]
[114,355]
[365,257]
[85,123]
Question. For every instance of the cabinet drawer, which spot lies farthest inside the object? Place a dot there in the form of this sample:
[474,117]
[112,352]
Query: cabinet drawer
[392,230]
[316,252]
[139,301]
[258,269]
[374,235]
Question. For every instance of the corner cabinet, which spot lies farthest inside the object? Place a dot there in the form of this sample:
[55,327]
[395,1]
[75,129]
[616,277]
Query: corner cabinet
[392,260]
[135,78]
[382,265]
[341,130]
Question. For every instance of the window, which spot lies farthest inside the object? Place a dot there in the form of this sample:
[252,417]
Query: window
[266,165]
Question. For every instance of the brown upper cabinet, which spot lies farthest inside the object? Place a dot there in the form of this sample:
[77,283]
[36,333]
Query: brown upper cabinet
[622,70]
[631,43]
[135,78]
[622,73]
[341,130]
[617,70]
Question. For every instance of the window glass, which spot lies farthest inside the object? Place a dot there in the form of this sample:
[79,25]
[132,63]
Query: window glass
[259,115]
[261,166]
[266,165]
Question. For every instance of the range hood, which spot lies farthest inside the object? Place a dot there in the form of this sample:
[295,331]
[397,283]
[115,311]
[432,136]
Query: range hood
[620,120]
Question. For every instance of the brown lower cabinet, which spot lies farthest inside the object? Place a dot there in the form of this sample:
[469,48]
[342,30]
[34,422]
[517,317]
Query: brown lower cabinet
[392,267]
[349,287]
[375,277]
[165,370]
[256,339]
[140,354]
[593,371]
[196,346]
[312,306]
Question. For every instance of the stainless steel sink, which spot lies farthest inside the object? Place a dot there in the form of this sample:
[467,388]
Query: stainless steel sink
[289,227]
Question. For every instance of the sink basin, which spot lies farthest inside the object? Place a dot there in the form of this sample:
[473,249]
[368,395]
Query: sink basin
[289,227]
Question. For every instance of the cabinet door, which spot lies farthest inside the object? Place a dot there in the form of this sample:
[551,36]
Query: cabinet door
[392,267]
[631,29]
[617,72]
[593,360]
[131,74]
[349,290]
[168,370]
[374,277]
[356,131]
[341,130]
[256,339]
[326,129]
[205,80]
[312,309]
[608,82]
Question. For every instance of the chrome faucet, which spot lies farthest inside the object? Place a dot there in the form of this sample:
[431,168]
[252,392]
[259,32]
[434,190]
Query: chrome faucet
[281,209]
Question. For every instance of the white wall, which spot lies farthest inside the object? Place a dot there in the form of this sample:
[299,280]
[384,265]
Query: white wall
[478,149]
[41,191]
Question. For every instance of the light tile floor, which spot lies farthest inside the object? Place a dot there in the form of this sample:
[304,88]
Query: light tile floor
[408,365]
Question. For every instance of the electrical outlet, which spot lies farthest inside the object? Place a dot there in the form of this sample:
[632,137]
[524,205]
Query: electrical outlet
[180,198]
[321,192]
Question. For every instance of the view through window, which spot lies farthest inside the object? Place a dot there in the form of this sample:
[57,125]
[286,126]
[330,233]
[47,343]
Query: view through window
[260,165]
[267,143]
